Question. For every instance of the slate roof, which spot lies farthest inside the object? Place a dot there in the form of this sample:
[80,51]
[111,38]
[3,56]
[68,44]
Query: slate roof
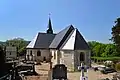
[80,43]
[42,40]
[68,37]
[77,41]
[61,37]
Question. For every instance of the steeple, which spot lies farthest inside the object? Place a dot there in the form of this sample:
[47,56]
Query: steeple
[49,30]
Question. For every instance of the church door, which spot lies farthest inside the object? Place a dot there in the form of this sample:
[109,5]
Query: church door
[82,57]
[44,58]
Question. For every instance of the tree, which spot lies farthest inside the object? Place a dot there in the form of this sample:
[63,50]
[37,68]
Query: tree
[19,43]
[109,50]
[2,62]
[92,45]
[102,50]
[99,49]
[116,35]
[2,56]
[96,50]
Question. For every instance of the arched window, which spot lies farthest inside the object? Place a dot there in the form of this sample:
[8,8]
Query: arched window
[82,56]
[38,53]
[10,53]
[31,52]
[54,55]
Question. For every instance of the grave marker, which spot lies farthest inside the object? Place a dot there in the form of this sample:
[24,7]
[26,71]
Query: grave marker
[59,72]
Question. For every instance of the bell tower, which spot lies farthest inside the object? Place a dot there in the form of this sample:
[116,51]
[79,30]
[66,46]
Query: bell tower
[49,30]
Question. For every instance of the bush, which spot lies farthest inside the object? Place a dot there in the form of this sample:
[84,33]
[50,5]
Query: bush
[100,63]
[108,64]
[117,66]
[106,58]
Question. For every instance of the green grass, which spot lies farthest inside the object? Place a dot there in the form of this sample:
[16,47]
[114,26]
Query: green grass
[106,58]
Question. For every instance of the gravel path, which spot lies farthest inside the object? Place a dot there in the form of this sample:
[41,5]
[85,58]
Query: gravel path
[43,69]
[92,75]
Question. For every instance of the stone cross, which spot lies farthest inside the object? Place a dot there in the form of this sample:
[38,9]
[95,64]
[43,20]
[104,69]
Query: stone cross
[82,76]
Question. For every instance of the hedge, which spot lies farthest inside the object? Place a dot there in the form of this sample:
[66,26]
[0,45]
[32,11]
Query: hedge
[106,58]
[117,66]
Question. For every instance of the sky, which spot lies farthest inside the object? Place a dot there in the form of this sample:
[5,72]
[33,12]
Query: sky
[25,18]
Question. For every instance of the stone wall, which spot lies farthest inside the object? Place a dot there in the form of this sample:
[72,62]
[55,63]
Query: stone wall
[11,52]
[55,57]
[68,59]
[44,53]
[77,61]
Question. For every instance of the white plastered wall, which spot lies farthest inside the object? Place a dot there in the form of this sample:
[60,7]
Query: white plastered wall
[44,53]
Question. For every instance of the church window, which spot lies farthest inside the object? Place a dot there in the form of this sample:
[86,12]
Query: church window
[10,53]
[38,53]
[54,55]
[31,52]
[82,57]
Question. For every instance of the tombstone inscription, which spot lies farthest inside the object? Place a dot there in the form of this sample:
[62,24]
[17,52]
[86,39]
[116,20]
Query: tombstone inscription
[59,72]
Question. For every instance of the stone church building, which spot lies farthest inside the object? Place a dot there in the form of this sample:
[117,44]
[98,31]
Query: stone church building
[66,47]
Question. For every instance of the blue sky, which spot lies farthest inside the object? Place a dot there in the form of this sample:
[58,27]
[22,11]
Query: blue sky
[24,18]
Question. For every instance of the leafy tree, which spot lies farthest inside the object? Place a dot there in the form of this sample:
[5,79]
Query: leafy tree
[2,62]
[92,45]
[102,50]
[110,50]
[19,43]
[2,55]
[96,50]
[99,49]
[116,35]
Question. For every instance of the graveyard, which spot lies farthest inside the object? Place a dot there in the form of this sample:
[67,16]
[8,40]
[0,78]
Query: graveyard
[28,70]
[43,71]
[64,55]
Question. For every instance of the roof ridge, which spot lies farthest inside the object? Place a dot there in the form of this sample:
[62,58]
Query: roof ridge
[46,33]
[65,28]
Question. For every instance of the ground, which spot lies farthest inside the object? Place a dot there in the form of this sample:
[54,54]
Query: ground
[43,69]
[92,75]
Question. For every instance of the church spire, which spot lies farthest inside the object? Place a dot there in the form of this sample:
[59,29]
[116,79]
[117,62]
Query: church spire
[49,31]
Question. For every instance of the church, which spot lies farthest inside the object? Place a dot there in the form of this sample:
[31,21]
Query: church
[65,47]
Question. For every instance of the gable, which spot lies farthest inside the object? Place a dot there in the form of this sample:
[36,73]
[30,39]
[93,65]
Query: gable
[75,41]
[80,43]
[61,37]
[31,44]
[70,41]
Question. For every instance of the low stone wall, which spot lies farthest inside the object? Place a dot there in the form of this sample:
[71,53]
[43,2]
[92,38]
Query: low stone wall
[35,78]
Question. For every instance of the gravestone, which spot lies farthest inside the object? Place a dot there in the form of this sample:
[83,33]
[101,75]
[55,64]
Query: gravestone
[59,72]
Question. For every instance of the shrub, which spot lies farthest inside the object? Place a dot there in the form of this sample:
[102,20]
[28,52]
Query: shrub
[100,63]
[109,64]
[117,66]
[113,66]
